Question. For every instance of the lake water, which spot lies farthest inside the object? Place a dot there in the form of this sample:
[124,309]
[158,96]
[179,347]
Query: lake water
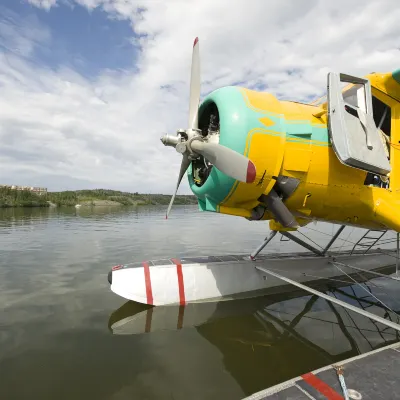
[65,335]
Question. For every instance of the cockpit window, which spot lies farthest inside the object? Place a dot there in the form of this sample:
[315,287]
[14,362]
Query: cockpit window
[382,119]
[382,115]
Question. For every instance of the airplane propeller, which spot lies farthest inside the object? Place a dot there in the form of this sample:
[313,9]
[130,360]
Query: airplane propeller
[192,144]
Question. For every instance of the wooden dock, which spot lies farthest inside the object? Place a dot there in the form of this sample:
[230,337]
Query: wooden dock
[369,376]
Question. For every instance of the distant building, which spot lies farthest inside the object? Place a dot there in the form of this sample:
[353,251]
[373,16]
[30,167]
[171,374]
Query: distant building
[37,190]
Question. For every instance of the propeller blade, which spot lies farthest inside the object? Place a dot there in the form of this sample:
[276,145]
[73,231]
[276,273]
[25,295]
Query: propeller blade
[226,160]
[194,98]
[184,166]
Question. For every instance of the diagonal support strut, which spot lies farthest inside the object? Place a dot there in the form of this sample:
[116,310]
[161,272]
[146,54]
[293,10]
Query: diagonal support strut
[302,243]
[333,300]
[255,253]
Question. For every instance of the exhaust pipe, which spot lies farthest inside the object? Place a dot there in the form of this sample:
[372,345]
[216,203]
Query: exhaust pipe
[279,210]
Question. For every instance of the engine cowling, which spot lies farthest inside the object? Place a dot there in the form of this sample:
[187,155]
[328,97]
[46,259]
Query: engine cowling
[250,123]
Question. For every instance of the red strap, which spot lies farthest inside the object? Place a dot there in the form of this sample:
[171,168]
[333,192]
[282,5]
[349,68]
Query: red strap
[321,386]
[181,285]
[147,280]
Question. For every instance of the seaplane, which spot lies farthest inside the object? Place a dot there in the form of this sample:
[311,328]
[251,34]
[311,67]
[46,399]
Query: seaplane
[248,154]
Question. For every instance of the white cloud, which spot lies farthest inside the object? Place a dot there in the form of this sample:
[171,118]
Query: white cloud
[106,130]
[21,38]
[46,4]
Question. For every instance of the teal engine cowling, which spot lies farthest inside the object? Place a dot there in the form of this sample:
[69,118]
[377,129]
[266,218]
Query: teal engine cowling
[226,117]
[222,116]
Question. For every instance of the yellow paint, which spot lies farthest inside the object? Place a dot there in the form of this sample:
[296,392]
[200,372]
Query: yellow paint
[386,84]
[307,142]
[319,113]
[303,221]
[263,146]
[266,121]
[267,153]
[303,211]
[388,212]
[297,112]
[297,159]
[328,190]
[305,200]
[276,226]
[241,212]
[262,102]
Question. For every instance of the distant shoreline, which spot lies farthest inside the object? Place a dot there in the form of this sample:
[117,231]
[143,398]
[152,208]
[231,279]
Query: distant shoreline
[10,198]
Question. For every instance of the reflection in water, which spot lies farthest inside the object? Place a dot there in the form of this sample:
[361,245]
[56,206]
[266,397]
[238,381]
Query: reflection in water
[256,336]
[60,337]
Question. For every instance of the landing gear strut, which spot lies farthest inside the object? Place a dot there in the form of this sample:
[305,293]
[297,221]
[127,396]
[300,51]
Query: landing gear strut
[298,241]
[254,254]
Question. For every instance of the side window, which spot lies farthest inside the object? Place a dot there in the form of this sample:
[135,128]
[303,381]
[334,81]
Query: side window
[355,96]
[382,115]
[382,119]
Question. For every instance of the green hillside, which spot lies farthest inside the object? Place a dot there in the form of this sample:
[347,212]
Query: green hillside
[96,197]
[20,198]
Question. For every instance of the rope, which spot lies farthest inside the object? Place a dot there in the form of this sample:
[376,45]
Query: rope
[339,372]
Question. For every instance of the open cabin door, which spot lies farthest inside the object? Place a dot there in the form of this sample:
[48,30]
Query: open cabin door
[355,137]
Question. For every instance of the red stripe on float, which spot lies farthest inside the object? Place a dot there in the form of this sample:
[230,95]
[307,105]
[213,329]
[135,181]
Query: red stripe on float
[181,285]
[322,387]
[147,280]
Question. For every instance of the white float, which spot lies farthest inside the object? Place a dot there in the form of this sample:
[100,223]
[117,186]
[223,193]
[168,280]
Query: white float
[215,278]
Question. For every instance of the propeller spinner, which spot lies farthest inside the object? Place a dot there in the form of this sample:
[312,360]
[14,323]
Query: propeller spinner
[191,143]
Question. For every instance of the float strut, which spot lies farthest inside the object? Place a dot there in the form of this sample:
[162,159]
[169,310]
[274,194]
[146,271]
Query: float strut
[254,254]
[333,299]
[335,236]
[302,243]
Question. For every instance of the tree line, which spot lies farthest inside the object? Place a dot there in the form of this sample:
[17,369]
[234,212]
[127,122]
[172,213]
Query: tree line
[25,198]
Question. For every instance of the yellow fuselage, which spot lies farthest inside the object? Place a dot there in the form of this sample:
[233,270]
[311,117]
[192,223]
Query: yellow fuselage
[291,139]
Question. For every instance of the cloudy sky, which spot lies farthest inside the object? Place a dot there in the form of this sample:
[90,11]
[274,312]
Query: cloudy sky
[87,87]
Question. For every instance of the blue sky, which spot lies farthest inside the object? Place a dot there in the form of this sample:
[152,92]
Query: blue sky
[89,86]
[88,41]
